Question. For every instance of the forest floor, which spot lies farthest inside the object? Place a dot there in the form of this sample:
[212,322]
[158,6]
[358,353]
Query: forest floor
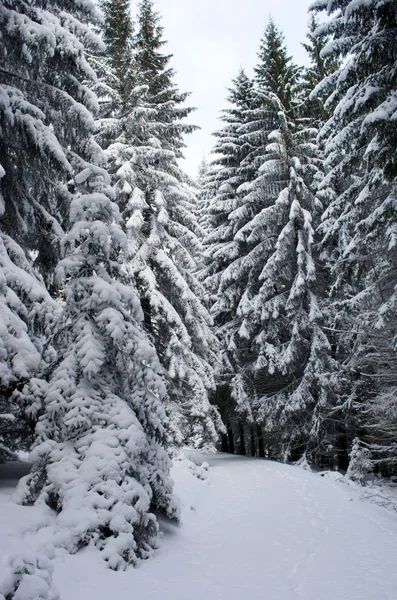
[252,530]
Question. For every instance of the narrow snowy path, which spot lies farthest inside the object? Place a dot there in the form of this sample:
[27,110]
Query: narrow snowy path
[257,531]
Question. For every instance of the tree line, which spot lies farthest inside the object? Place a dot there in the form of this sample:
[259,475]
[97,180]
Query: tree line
[298,207]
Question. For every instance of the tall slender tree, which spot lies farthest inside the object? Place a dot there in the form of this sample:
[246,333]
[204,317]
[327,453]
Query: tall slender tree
[45,110]
[288,367]
[359,222]
[157,201]
[117,35]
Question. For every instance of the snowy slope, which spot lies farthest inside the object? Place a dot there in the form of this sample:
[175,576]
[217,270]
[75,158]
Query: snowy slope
[255,529]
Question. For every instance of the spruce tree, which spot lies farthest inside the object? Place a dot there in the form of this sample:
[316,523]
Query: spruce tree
[230,171]
[266,292]
[236,267]
[98,459]
[230,150]
[157,201]
[275,71]
[319,68]
[359,223]
[288,363]
[45,118]
[117,35]
[27,317]
[45,111]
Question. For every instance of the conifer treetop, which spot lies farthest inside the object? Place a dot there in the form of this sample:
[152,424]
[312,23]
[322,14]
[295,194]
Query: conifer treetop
[118,29]
[148,42]
[275,71]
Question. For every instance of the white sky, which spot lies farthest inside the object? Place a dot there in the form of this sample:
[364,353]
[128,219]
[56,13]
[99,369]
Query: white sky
[210,40]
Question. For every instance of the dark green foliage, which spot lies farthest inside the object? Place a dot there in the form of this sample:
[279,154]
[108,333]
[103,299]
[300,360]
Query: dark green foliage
[275,71]
[117,35]
[320,67]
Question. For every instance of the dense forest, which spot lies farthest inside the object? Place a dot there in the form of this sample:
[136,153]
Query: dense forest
[250,310]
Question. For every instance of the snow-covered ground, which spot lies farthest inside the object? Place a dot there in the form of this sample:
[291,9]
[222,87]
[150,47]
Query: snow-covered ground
[254,530]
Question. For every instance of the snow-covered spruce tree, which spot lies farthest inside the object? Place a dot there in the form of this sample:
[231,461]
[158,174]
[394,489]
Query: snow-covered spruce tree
[45,116]
[237,265]
[232,167]
[359,224]
[223,182]
[44,109]
[157,202]
[320,67]
[206,185]
[98,460]
[287,363]
[258,118]
[117,35]
[275,71]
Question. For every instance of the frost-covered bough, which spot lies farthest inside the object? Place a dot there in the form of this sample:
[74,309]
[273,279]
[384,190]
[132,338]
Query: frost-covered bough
[157,201]
[98,459]
[27,314]
[359,224]
[46,113]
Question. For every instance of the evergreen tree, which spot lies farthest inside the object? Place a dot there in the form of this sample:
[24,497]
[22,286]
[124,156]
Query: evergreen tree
[236,267]
[287,364]
[227,176]
[117,35]
[158,203]
[45,111]
[98,459]
[45,119]
[204,194]
[27,316]
[359,222]
[265,286]
[275,71]
[230,151]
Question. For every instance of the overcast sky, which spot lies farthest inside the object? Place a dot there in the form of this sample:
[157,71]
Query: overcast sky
[210,40]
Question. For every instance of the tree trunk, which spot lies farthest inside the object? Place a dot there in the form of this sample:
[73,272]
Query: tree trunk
[242,450]
[253,440]
[261,449]
[230,440]
[224,443]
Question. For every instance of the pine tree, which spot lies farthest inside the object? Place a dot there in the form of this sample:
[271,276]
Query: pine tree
[359,223]
[287,364]
[117,35]
[157,201]
[45,111]
[275,71]
[98,459]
